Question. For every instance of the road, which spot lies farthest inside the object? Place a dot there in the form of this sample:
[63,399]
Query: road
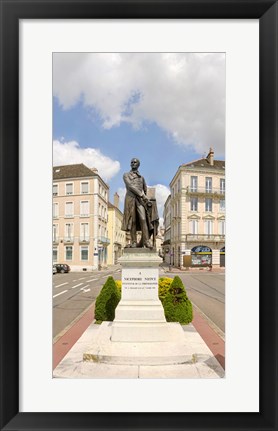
[206,290]
[75,292]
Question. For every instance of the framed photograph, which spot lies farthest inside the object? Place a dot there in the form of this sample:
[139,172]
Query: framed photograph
[36,37]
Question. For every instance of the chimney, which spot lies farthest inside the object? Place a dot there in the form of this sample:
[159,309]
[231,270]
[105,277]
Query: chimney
[151,192]
[94,170]
[210,157]
[116,200]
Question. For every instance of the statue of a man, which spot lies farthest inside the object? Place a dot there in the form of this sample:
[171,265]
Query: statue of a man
[136,214]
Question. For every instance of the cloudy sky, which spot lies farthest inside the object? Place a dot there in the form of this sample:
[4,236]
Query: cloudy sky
[165,109]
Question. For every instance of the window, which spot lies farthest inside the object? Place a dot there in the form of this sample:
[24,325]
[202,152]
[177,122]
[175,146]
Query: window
[69,232]
[55,232]
[84,208]
[69,189]
[194,227]
[55,189]
[84,253]
[222,205]
[84,188]
[55,254]
[68,252]
[84,232]
[194,204]
[222,185]
[69,209]
[208,184]
[193,184]
[208,204]
[55,210]
[221,227]
[208,227]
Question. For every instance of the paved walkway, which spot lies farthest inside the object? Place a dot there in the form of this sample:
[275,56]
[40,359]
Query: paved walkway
[64,344]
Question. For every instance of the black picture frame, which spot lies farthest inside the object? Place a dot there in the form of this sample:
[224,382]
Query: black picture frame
[11,12]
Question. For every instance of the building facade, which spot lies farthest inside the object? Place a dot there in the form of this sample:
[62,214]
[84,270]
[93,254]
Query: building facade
[197,212]
[80,212]
[115,233]
[167,231]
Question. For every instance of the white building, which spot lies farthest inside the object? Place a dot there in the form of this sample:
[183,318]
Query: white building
[197,213]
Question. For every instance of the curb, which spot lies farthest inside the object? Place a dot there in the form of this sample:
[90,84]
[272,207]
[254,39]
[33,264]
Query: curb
[63,345]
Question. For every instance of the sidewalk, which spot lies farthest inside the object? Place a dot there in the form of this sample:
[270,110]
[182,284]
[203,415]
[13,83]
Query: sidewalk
[207,354]
[173,270]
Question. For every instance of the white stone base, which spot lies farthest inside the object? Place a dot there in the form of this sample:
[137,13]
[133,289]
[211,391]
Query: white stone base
[177,351]
[198,361]
[140,321]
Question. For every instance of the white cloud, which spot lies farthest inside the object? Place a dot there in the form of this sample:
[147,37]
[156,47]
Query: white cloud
[161,192]
[68,153]
[184,94]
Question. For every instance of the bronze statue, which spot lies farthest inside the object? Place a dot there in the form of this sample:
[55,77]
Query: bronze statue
[140,213]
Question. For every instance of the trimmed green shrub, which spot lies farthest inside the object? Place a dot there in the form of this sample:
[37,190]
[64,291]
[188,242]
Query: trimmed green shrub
[107,301]
[177,307]
[164,284]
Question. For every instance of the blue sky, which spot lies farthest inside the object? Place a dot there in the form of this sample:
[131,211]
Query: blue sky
[165,109]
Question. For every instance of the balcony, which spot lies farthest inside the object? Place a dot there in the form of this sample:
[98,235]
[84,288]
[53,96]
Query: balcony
[84,239]
[68,239]
[103,240]
[205,191]
[204,238]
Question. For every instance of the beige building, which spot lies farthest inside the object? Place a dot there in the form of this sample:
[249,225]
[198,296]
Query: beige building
[197,213]
[166,248]
[115,234]
[80,212]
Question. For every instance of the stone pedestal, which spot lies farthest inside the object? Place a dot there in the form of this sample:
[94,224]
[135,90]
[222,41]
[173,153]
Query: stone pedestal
[140,316]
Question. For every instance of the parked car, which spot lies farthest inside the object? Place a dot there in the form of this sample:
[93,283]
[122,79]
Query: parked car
[62,267]
[54,269]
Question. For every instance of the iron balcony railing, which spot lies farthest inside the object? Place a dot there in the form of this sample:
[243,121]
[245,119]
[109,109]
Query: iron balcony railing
[104,240]
[191,190]
[68,239]
[84,239]
[190,237]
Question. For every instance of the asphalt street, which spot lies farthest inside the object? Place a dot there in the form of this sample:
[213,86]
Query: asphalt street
[206,290]
[74,292]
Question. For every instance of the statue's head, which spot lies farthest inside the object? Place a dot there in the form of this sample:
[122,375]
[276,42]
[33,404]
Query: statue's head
[135,163]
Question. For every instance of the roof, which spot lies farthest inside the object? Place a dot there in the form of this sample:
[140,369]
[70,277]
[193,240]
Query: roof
[204,163]
[75,171]
[72,171]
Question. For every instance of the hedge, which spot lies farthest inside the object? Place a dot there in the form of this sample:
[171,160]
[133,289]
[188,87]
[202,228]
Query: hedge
[177,307]
[107,301]
[171,292]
